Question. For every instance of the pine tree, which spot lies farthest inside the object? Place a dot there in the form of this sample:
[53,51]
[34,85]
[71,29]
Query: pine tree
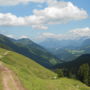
[83,73]
[60,72]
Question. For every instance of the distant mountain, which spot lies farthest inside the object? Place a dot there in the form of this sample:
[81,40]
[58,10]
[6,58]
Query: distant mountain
[50,43]
[67,50]
[86,45]
[54,43]
[29,49]
[63,49]
[75,64]
[86,42]
[63,53]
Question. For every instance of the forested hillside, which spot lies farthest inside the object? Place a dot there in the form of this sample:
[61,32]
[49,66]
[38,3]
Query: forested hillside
[30,49]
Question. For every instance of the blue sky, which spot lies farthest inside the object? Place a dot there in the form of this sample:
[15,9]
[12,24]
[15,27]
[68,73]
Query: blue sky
[23,10]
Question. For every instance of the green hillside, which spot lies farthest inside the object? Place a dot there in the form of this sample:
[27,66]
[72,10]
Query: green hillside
[30,49]
[78,68]
[35,77]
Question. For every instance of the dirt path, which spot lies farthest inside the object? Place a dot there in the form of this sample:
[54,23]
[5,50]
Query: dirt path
[9,79]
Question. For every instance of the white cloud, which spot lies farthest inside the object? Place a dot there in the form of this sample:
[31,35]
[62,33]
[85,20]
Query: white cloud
[61,12]
[16,37]
[24,36]
[42,27]
[81,32]
[15,2]
[46,35]
[11,36]
[72,34]
[56,13]
[9,19]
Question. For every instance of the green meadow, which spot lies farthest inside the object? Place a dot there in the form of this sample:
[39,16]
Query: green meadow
[33,76]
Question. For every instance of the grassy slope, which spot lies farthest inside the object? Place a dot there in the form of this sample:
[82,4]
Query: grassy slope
[35,77]
[1,86]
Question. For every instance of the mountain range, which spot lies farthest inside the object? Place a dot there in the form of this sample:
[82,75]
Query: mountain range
[36,67]
[67,50]
[75,64]
[30,49]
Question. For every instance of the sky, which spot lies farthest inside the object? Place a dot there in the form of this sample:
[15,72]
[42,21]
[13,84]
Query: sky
[42,19]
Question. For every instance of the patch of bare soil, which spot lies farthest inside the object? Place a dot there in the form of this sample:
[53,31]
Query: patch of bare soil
[9,79]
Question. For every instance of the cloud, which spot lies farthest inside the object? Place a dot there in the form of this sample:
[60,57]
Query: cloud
[81,32]
[40,27]
[10,36]
[9,19]
[71,35]
[16,37]
[57,12]
[24,36]
[46,35]
[61,12]
[15,2]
